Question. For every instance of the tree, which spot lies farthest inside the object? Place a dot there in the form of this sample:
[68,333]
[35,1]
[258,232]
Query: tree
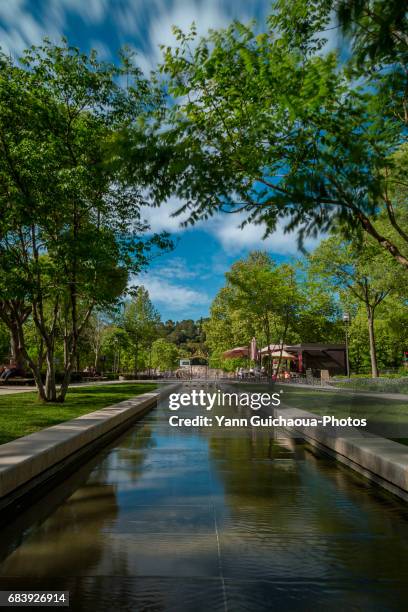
[319,317]
[375,29]
[359,271]
[392,331]
[269,293]
[96,332]
[378,28]
[115,346]
[70,228]
[260,299]
[187,335]
[140,321]
[270,126]
[227,328]
[164,355]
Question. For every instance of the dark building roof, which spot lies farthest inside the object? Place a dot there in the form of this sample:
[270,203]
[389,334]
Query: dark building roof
[315,346]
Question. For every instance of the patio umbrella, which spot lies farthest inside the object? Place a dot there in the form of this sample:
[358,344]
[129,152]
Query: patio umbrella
[276,352]
[238,351]
[271,347]
[285,355]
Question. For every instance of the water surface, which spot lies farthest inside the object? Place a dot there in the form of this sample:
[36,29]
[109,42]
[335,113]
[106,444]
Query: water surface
[211,519]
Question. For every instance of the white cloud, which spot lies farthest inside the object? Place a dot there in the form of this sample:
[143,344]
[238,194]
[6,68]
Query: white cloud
[160,219]
[104,53]
[90,11]
[226,229]
[9,9]
[21,27]
[178,268]
[205,16]
[233,238]
[173,296]
[12,42]
[128,15]
[331,33]
[155,28]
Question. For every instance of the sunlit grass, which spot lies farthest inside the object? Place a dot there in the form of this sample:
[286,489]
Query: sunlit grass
[22,413]
[395,384]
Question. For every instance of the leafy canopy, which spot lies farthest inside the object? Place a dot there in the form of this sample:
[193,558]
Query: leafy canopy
[70,225]
[273,127]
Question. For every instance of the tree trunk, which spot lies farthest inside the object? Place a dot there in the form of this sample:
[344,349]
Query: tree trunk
[278,367]
[70,357]
[96,358]
[17,355]
[268,343]
[35,368]
[371,336]
[150,359]
[136,354]
[36,371]
[282,341]
[14,314]
[64,385]
[382,240]
[50,385]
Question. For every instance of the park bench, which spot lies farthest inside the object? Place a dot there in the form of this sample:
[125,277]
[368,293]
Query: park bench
[94,378]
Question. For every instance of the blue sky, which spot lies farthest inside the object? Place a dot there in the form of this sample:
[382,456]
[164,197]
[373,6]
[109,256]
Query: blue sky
[182,283]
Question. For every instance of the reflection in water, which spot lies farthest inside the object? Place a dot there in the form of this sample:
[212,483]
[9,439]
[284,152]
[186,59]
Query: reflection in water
[211,519]
[94,506]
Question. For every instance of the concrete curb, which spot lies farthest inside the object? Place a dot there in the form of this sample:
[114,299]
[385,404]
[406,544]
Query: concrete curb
[27,462]
[381,460]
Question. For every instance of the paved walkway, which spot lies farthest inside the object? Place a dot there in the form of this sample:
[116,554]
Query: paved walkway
[10,389]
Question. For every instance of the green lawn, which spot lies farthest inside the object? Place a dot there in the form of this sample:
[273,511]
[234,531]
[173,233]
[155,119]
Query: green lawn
[380,385]
[22,414]
[384,416]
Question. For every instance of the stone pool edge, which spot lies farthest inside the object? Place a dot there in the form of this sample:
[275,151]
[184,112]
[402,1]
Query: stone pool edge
[27,462]
[378,459]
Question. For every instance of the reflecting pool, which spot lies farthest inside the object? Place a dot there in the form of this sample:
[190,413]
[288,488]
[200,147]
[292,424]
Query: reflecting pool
[184,519]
